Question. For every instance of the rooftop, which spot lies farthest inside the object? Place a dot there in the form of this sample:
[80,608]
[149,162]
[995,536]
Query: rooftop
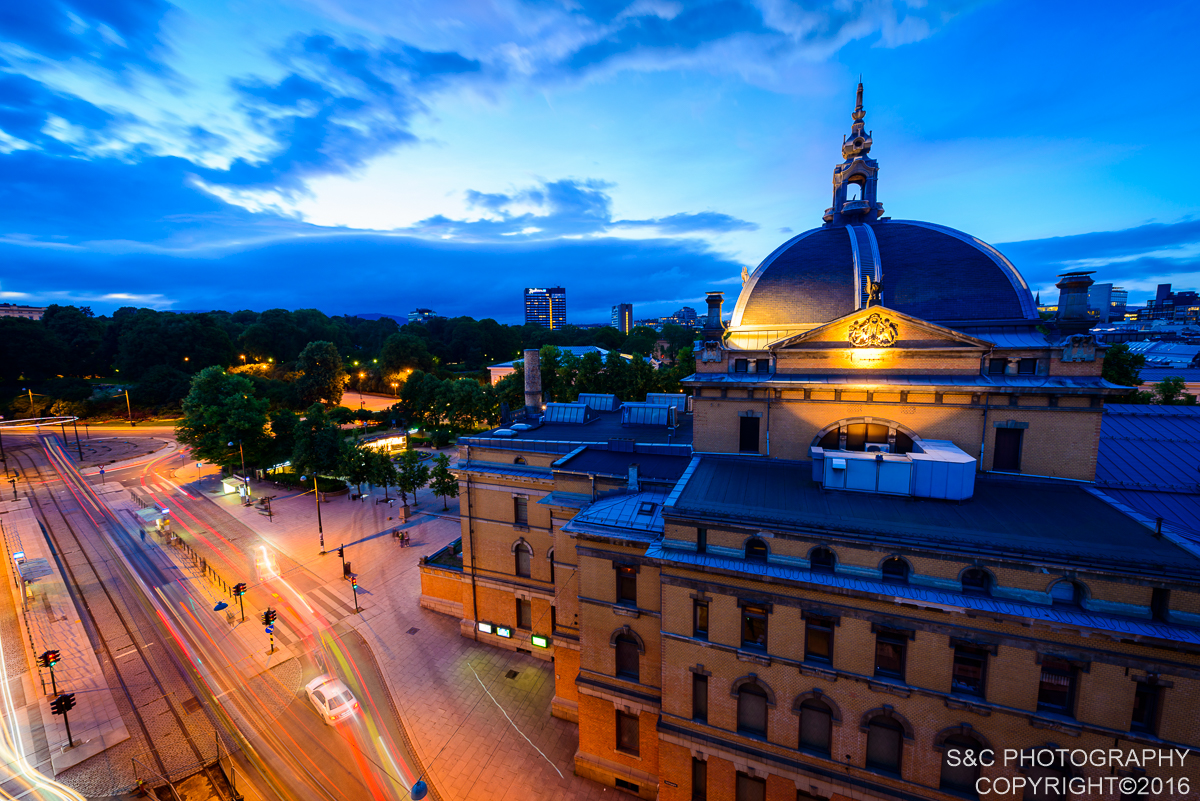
[607,426]
[1054,521]
[655,462]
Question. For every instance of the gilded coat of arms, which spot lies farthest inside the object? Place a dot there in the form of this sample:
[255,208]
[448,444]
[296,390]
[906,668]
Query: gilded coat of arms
[875,331]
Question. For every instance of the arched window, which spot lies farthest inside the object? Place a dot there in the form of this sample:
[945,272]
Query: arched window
[627,658]
[816,726]
[523,553]
[550,558]
[957,775]
[519,460]
[1066,593]
[752,710]
[756,550]
[885,744]
[895,571]
[822,560]
[854,192]
[976,582]
[1052,773]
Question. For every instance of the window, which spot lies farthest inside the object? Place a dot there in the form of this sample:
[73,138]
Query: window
[1145,708]
[976,582]
[552,567]
[1027,367]
[1056,691]
[885,742]
[750,788]
[818,639]
[748,435]
[701,540]
[997,366]
[1055,788]
[957,775]
[524,614]
[741,365]
[895,571]
[520,510]
[1007,457]
[700,619]
[699,780]
[1066,593]
[553,618]
[627,657]
[754,627]
[627,733]
[524,552]
[700,697]
[756,550]
[968,671]
[822,560]
[816,726]
[627,585]
[762,366]
[519,460]
[889,654]
[752,710]
[1160,604]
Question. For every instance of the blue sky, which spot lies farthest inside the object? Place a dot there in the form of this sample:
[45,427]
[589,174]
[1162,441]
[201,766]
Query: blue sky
[357,156]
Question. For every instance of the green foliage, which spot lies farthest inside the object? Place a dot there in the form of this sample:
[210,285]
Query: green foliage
[221,408]
[318,443]
[382,471]
[405,352]
[74,389]
[82,336]
[188,342]
[411,474]
[356,465]
[324,377]
[28,351]
[161,385]
[1122,367]
[1170,392]
[442,481]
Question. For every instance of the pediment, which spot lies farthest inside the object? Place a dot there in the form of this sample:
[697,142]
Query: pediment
[880,327]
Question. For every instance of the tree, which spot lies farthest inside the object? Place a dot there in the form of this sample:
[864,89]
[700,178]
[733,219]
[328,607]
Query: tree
[356,465]
[383,472]
[442,481]
[221,408]
[324,377]
[412,474]
[27,351]
[319,441]
[1122,367]
[161,385]
[1170,392]
[404,351]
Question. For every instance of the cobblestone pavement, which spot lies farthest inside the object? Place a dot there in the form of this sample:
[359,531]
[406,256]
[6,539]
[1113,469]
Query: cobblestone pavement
[474,745]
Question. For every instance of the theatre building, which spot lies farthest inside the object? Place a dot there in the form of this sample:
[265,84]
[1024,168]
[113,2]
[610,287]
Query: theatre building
[877,549]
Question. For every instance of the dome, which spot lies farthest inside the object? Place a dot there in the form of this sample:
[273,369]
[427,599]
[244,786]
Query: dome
[929,271]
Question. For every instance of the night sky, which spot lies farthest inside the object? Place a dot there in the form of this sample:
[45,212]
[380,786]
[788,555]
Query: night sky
[358,156]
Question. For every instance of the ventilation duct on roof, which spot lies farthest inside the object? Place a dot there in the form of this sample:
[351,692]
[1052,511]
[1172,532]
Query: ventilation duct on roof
[933,469]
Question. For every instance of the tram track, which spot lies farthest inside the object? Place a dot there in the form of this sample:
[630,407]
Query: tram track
[152,684]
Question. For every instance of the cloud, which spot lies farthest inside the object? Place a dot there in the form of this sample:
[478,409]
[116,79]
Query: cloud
[112,34]
[1137,258]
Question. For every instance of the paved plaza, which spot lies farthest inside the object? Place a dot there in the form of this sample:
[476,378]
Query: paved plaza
[467,721]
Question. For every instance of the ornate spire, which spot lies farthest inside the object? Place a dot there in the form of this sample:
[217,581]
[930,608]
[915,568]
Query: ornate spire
[854,199]
[857,144]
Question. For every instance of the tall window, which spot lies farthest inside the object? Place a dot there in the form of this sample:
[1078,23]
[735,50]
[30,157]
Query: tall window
[627,657]
[1007,456]
[699,780]
[1043,789]
[756,550]
[1160,603]
[1145,707]
[885,743]
[816,726]
[895,571]
[701,540]
[524,614]
[754,627]
[551,567]
[627,585]
[748,434]
[1056,690]
[1066,593]
[700,619]
[957,774]
[970,666]
[818,639]
[524,552]
[627,733]
[822,560]
[889,654]
[750,788]
[976,582]
[700,697]
[520,510]
[752,710]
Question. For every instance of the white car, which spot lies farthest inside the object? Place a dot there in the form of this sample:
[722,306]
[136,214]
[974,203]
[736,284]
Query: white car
[333,700]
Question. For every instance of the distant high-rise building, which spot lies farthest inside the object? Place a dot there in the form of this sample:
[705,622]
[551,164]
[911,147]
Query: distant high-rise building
[622,317]
[1107,302]
[421,315]
[686,317]
[546,307]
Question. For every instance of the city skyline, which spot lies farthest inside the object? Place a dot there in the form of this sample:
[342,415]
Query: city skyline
[661,148]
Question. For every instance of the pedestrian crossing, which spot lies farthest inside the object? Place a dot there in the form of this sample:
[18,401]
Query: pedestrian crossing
[324,602]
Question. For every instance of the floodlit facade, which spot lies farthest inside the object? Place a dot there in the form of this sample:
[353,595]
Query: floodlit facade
[546,307]
[872,552]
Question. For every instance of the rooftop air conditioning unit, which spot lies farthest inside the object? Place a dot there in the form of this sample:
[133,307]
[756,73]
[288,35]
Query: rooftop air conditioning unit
[878,447]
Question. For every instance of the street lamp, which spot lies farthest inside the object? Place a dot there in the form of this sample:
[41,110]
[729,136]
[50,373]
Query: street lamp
[395,391]
[245,481]
[317,495]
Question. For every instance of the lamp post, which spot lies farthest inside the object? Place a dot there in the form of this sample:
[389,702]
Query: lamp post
[128,407]
[3,458]
[317,495]
[245,481]
[395,392]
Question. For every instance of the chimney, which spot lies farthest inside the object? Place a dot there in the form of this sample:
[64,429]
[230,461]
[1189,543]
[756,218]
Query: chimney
[533,383]
[633,478]
[1072,316]
[715,301]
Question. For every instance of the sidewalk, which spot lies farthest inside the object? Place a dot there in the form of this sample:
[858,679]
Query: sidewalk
[436,677]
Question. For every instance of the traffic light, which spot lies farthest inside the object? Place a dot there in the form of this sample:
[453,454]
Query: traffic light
[49,659]
[63,703]
[272,616]
[266,618]
[354,581]
[342,551]
[239,589]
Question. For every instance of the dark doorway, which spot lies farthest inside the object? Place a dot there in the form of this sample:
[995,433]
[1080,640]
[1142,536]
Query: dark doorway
[1008,450]
[748,435]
